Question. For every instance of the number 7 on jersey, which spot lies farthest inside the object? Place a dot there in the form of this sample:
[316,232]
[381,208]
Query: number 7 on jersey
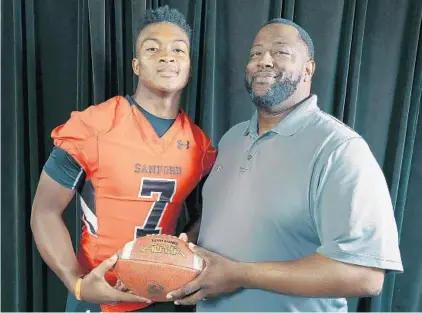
[165,189]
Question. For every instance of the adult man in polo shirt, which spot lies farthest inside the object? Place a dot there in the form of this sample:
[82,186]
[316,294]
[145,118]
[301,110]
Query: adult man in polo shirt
[296,211]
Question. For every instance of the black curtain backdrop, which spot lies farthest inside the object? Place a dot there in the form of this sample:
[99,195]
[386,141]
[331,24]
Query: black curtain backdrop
[59,56]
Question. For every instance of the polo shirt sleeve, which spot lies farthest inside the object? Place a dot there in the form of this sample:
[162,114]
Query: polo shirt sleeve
[352,209]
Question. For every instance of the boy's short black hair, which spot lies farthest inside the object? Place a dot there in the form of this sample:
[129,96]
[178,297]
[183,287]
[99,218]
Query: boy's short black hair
[166,15]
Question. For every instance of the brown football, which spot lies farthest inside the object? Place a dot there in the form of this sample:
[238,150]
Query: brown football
[154,265]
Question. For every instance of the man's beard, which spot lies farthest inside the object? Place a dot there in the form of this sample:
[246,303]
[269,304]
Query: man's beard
[278,92]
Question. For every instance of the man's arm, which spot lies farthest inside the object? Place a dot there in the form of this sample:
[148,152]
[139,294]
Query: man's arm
[53,240]
[315,275]
[50,233]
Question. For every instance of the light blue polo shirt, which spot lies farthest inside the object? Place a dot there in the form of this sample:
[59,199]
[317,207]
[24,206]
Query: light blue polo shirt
[310,185]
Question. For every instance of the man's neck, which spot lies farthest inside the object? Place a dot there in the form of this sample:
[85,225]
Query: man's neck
[268,118]
[163,105]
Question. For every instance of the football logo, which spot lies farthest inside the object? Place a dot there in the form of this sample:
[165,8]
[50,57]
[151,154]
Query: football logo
[163,248]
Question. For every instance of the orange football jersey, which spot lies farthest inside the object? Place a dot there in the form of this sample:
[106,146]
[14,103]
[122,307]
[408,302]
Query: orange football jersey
[136,182]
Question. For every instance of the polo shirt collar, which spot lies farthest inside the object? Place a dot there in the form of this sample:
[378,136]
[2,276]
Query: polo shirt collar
[293,122]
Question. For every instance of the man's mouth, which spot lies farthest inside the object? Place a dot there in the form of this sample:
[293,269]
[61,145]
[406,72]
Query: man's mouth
[168,70]
[267,77]
[264,75]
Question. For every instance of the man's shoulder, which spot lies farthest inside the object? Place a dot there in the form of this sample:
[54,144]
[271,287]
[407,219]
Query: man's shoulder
[331,137]
[101,116]
[107,110]
[329,123]
[93,120]
[330,130]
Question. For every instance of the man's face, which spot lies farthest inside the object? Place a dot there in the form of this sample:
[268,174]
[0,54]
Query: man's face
[276,65]
[163,60]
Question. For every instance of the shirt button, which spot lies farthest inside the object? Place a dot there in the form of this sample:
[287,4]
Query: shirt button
[249,157]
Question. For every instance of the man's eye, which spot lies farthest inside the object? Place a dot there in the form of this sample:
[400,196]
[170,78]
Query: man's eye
[152,49]
[282,52]
[177,50]
[255,54]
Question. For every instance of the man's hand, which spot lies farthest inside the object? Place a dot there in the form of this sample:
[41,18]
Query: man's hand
[219,276]
[96,289]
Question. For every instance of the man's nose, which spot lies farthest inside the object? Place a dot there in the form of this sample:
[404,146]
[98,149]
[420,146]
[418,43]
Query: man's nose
[266,60]
[166,58]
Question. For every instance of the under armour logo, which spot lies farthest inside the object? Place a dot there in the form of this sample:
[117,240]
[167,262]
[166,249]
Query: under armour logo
[181,144]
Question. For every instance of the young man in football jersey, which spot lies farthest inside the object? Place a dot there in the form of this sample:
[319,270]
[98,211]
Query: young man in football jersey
[132,160]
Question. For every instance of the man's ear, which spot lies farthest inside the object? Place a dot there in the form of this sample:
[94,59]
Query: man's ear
[309,70]
[135,66]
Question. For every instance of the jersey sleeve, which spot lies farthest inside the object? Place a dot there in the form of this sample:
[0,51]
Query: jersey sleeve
[79,138]
[64,169]
[210,155]
[353,211]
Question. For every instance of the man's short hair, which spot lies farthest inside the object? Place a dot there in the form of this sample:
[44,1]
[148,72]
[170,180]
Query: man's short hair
[166,15]
[303,34]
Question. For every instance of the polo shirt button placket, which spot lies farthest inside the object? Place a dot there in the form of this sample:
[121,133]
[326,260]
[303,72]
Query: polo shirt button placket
[246,167]
[246,163]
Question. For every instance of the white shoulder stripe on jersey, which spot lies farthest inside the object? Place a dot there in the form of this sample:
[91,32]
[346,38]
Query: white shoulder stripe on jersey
[78,178]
